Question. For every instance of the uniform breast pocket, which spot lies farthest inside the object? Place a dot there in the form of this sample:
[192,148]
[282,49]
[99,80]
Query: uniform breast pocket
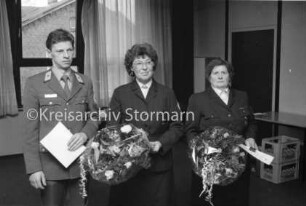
[81,104]
[49,103]
[49,108]
[210,117]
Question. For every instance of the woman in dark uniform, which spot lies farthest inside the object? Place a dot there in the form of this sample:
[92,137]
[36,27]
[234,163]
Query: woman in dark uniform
[220,105]
[144,95]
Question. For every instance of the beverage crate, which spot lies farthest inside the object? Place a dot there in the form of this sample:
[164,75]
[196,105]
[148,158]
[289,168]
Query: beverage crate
[278,173]
[283,148]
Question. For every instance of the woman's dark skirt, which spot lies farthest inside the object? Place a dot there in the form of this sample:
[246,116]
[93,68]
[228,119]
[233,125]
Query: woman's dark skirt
[147,188]
[234,194]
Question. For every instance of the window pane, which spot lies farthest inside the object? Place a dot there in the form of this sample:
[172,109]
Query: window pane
[39,18]
[26,72]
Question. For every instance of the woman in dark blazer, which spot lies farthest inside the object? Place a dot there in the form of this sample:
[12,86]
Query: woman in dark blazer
[138,103]
[220,105]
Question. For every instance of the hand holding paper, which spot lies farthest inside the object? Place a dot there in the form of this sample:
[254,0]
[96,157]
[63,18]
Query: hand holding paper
[250,142]
[76,141]
[56,142]
[265,158]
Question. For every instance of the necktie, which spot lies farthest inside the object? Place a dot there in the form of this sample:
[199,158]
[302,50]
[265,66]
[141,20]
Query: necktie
[65,78]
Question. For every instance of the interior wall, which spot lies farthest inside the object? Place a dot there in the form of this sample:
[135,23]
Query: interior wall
[209,28]
[209,36]
[292,97]
[252,15]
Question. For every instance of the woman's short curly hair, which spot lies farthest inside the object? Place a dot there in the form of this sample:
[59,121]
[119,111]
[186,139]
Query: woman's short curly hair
[137,50]
[219,62]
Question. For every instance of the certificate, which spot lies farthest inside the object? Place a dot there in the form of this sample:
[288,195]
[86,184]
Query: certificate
[56,143]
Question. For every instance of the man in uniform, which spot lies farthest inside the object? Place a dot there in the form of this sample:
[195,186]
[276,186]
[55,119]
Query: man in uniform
[58,94]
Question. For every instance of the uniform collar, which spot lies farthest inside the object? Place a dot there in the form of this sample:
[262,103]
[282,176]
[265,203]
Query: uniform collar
[220,91]
[58,73]
[151,93]
[148,85]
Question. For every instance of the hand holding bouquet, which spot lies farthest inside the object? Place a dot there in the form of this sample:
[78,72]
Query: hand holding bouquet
[116,154]
[217,158]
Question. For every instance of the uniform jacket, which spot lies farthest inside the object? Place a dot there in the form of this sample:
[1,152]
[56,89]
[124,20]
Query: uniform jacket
[44,94]
[129,102]
[210,110]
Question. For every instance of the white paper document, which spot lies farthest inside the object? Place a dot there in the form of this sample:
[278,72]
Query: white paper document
[56,143]
[265,158]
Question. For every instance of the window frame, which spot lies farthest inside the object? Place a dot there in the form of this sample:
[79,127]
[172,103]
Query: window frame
[15,22]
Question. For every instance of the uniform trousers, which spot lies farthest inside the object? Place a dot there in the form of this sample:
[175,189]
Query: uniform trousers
[62,193]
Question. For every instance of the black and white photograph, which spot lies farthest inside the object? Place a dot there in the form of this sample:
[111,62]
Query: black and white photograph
[152,102]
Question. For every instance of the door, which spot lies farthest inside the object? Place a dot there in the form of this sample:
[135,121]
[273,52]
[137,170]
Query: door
[252,59]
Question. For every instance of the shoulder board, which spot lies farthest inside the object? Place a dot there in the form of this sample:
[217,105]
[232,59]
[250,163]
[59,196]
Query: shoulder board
[47,76]
[79,78]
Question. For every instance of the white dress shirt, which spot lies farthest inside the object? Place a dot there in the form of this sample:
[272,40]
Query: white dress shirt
[223,94]
[59,74]
[144,87]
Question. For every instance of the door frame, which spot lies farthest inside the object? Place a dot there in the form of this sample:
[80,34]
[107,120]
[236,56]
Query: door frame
[274,28]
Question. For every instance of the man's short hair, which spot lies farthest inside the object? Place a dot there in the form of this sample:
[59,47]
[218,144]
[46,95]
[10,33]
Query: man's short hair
[59,35]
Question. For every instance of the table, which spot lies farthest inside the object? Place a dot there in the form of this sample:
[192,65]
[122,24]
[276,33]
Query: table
[286,119]
[282,118]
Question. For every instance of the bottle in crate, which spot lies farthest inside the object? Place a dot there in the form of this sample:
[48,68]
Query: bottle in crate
[283,148]
[278,173]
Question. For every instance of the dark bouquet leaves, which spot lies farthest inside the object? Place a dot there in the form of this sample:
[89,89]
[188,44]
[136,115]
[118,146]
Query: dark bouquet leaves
[115,155]
[217,158]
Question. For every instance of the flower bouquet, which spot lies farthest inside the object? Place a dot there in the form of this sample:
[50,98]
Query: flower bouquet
[217,158]
[115,154]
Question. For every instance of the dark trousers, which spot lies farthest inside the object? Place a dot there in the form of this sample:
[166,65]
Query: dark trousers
[62,193]
[146,189]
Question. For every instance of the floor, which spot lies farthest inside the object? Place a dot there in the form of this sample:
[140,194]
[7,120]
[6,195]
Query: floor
[16,191]
[264,193]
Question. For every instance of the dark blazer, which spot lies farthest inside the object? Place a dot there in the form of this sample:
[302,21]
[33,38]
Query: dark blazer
[210,110]
[44,94]
[130,104]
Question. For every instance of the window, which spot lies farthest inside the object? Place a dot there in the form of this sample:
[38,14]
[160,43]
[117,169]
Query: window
[30,23]
[39,18]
